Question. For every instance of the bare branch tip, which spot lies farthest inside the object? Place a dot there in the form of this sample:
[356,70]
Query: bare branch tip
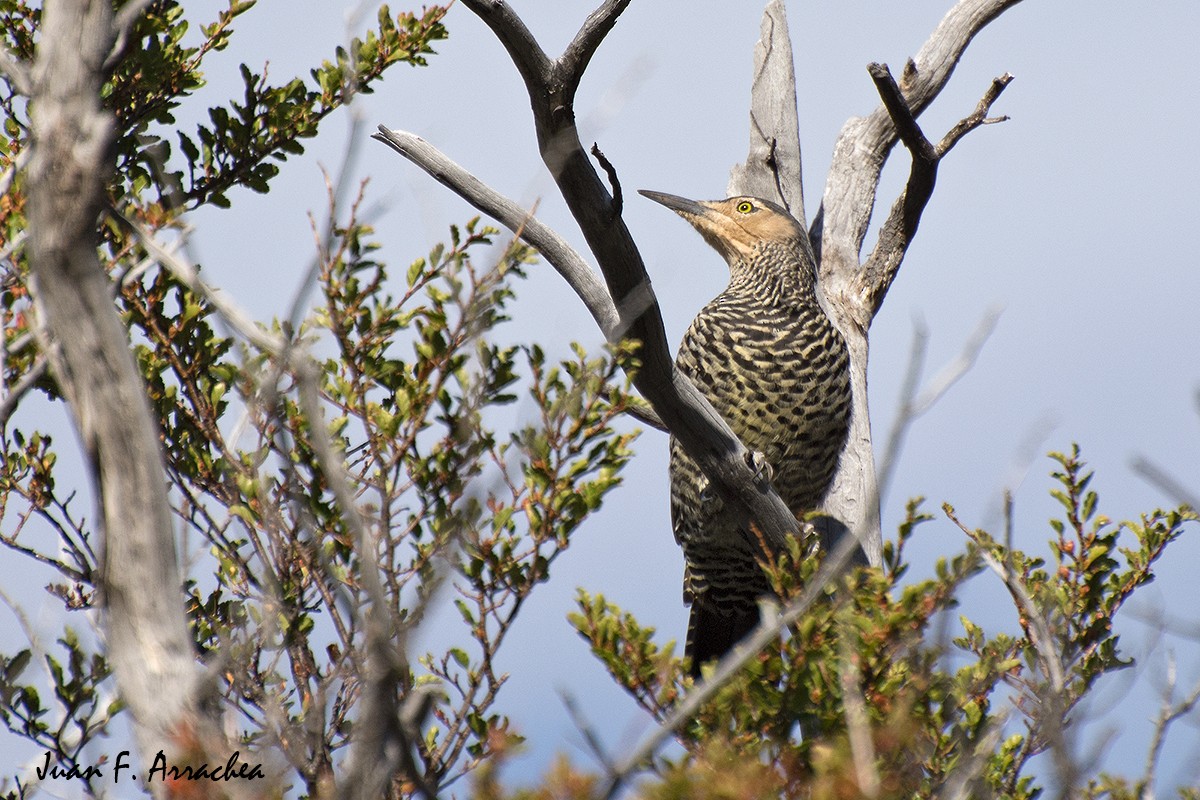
[618,201]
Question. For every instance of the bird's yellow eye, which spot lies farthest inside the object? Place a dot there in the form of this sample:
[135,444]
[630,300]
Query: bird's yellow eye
[745,207]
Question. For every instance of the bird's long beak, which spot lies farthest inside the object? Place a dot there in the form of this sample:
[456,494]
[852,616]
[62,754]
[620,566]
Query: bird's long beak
[716,227]
[676,203]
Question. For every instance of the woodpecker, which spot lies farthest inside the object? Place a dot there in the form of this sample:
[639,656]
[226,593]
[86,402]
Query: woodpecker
[776,368]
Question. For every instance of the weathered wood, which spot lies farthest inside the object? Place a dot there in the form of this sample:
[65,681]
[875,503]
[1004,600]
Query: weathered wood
[865,142]
[147,640]
[773,167]
[852,292]
[773,170]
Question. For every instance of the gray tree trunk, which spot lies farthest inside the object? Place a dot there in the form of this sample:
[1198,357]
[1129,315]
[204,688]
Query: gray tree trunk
[71,163]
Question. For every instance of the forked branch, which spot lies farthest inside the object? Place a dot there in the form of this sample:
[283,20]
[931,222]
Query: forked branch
[879,270]
[864,143]
[702,432]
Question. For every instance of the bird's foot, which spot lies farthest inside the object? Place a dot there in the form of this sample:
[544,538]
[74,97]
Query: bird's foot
[763,471]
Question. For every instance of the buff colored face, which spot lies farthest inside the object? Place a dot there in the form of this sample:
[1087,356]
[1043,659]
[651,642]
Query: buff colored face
[742,222]
[734,226]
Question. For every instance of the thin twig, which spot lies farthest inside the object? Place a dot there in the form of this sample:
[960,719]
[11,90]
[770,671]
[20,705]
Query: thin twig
[10,401]
[618,202]
[978,117]
[904,414]
[1166,717]
[1037,626]
[588,732]
[233,314]
[914,404]
[954,371]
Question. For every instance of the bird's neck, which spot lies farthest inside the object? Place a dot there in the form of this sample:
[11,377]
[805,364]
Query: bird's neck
[776,275]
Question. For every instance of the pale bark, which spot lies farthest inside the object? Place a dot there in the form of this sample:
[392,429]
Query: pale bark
[852,292]
[148,643]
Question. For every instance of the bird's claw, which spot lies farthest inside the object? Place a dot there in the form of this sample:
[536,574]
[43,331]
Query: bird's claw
[763,471]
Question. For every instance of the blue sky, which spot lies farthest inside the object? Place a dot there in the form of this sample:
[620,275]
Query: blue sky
[1074,218]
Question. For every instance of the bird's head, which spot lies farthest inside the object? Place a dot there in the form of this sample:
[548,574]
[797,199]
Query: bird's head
[739,228]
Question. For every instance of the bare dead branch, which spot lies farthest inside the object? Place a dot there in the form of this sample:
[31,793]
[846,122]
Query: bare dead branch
[531,61]
[978,117]
[564,258]
[902,116]
[865,142]
[773,168]
[702,432]
[896,233]
[856,292]
[879,270]
[579,52]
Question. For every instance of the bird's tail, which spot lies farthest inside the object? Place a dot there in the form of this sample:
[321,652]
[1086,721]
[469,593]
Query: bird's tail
[711,634]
